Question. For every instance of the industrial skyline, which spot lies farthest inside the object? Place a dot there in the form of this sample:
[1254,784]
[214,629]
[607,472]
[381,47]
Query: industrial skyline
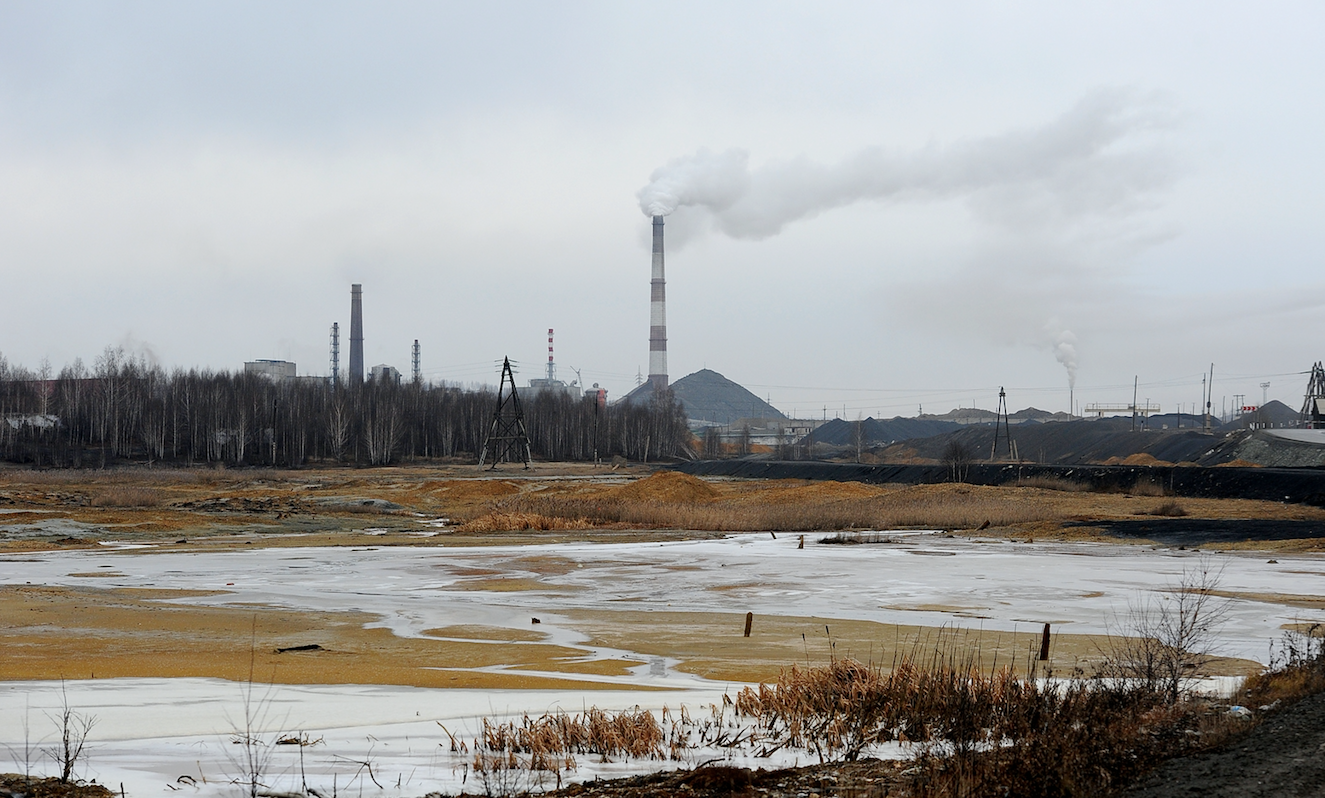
[871,207]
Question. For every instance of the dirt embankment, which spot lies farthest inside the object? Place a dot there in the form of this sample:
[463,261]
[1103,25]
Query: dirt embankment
[1283,756]
[468,506]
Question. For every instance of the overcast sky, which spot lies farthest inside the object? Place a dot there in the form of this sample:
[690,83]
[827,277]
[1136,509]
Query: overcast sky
[877,205]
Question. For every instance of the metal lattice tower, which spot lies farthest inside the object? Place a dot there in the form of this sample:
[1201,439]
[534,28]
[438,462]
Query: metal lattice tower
[508,434]
[417,363]
[1314,403]
[1002,428]
[335,354]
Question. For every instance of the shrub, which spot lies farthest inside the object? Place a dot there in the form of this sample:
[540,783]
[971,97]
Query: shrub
[1170,509]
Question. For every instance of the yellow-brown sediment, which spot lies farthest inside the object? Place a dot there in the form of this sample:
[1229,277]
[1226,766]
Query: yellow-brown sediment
[78,633]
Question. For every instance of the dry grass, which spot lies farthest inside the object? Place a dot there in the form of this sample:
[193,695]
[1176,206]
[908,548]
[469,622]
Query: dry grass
[1297,671]
[976,732]
[988,733]
[919,507]
[127,496]
[157,477]
[1054,483]
[1148,488]
[518,521]
[576,502]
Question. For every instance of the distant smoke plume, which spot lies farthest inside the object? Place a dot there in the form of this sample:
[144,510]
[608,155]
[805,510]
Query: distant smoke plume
[1065,351]
[1079,165]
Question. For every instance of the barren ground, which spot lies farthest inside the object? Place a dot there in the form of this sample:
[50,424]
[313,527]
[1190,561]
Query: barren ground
[121,632]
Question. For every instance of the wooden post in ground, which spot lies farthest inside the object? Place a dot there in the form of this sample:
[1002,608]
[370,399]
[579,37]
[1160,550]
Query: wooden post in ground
[749,621]
[1044,644]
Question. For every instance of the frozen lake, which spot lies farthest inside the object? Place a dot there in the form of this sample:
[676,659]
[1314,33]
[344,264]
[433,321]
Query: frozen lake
[150,732]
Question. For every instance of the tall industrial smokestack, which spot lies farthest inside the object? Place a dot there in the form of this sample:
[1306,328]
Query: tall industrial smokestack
[551,366]
[356,333]
[658,313]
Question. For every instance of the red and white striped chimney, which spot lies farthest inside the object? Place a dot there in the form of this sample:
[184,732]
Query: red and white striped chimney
[551,369]
[658,313]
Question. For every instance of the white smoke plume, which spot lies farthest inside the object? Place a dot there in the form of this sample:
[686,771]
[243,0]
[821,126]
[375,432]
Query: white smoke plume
[1079,165]
[1065,350]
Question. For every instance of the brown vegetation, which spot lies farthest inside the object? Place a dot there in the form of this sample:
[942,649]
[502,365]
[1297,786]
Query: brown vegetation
[127,496]
[36,787]
[1170,509]
[1053,483]
[459,504]
[977,732]
[517,521]
[821,508]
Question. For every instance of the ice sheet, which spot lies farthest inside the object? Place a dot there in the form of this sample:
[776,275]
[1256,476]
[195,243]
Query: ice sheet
[151,732]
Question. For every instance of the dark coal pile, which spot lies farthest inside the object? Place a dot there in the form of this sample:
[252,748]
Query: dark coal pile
[1202,532]
[1294,485]
[1275,414]
[708,396]
[873,431]
[1071,443]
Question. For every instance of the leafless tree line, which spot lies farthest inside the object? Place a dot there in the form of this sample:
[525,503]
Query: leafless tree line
[125,409]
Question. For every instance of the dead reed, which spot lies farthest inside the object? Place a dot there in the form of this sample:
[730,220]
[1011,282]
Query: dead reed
[1054,483]
[504,753]
[127,496]
[856,538]
[117,476]
[1297,669]
[978,732]
[902,509]
[975,731]
[514,521]
[1148,487]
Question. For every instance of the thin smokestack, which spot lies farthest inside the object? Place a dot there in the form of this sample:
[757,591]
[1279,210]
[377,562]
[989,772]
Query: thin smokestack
[356,333]
[658,313]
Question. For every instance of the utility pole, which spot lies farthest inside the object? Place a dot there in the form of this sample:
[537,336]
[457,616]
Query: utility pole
[1209,394]
[1205,419]
[1135,379]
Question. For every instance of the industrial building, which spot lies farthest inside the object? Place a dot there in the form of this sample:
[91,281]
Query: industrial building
[550,383]
[271,369]
[382,372]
